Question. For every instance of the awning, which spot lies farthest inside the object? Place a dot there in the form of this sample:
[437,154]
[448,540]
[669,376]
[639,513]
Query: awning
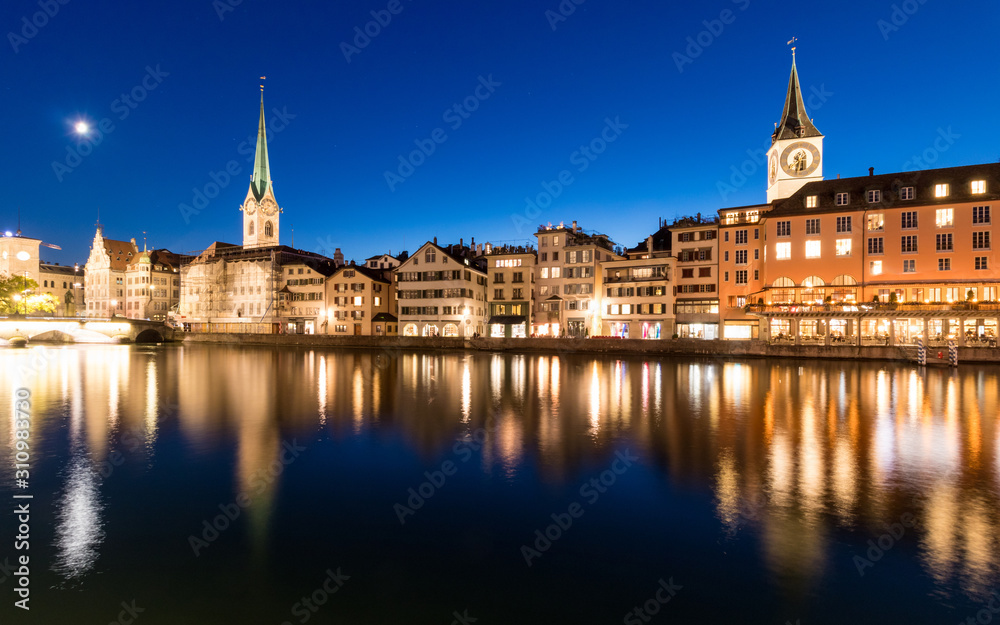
[384,317]
[507,320]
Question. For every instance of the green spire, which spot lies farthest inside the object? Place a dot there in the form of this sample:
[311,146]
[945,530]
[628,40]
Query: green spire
[795,122]
[261,169]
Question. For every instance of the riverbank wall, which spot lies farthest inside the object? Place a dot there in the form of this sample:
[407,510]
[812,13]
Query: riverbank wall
[623,347]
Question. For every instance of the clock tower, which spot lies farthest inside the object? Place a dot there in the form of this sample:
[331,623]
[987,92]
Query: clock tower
[260,210]
[796,154]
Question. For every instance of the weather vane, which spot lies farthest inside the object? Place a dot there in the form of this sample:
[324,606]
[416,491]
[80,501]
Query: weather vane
[262,84]
[792,43]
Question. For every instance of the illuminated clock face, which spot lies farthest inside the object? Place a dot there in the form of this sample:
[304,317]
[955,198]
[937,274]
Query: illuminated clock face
[773,168]
[268,207]
[799,159]
[23,256]
[249,207]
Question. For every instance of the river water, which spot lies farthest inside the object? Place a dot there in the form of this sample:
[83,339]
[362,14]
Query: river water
[211,484]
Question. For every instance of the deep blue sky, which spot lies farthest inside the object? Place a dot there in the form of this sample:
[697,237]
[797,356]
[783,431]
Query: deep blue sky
[888,97]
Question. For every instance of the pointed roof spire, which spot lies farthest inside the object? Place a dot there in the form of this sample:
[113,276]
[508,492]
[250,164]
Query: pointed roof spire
[795,122]
[261,168]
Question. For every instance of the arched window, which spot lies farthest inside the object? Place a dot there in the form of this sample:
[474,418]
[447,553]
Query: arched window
[812,291]
[268,229]
[250,229]
[844,288]
[410,329]
[783,291]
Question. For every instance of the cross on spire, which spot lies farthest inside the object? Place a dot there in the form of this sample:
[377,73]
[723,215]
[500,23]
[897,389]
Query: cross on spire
[791,42]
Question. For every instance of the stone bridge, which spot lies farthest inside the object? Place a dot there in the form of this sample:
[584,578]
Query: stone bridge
[19,330]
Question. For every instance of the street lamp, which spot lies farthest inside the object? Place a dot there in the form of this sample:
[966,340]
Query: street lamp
[17,302]
[114,305]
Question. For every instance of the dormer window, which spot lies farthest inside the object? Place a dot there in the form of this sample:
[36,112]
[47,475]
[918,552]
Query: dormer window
[906,193]
[812,201]
[874,196]
[941,190]
[978,186]
[842,199]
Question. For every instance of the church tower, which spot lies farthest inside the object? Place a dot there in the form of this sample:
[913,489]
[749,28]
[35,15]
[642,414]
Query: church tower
[796,154]
[261,212]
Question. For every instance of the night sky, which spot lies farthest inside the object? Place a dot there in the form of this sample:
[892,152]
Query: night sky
[883,81]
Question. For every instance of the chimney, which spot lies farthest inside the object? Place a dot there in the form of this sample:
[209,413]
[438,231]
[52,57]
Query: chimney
[838,176]
[649,245]
[871,171]
[461,243]
[472,241]
[436,239]
[574,226]
[338,257]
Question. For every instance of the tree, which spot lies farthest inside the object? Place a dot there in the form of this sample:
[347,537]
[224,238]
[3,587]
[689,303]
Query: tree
[18,296]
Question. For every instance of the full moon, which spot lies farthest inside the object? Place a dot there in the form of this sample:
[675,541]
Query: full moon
[81,128]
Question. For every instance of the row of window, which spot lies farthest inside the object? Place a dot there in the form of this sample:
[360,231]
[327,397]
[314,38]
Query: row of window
[638,309]
[518,277]
[741,236]
[875,267]
[944,242]
[516,294]
[568,289]
[703,272]
[438,294]
[642,291]
[874,196]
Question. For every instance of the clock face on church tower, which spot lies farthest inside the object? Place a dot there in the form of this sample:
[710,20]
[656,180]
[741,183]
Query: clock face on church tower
[799,159]
[268,207]
[249,207]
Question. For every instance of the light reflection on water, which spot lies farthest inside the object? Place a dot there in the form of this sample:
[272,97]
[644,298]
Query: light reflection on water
[789,453]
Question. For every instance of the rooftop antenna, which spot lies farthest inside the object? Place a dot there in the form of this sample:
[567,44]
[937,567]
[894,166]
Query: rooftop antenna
[143,240]
[18,220]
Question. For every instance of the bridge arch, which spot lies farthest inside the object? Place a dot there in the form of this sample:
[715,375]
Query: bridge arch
[149,335]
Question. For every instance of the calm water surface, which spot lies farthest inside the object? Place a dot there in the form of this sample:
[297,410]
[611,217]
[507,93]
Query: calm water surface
[758,491]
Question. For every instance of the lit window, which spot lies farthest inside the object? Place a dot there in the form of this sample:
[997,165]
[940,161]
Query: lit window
[941,190]
[944,264]
[555,240]
[615,309]
[876,222]
[875,267]
[545,272]
[906,193]
[556,272]
[979,186]
[358,301]
[783,251]
[909,266]
[874,196]
[843,247]
[812,201]
[813,249]
[378,301]
[626,309]
[945,217]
